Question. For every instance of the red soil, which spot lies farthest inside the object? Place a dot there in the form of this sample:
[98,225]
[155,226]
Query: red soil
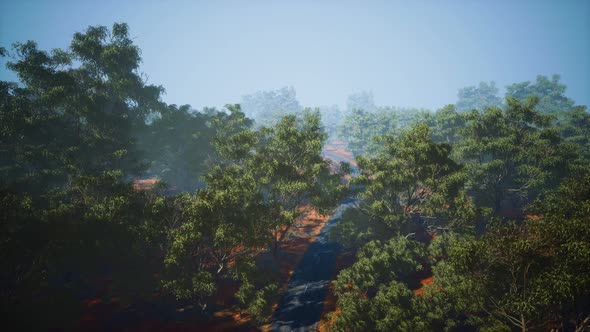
[424,282]
[346,155]
[145,184]
[294,246]
[291,251]
[338,148]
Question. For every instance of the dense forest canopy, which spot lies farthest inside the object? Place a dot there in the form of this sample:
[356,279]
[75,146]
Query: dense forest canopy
[474,217]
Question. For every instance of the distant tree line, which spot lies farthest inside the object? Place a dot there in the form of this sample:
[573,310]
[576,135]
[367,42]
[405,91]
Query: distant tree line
[471,218]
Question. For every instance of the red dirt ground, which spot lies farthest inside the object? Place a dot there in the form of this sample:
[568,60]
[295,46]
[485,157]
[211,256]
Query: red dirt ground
[144,184]
[338,148]
[295,245]
[291,251]
[424,282]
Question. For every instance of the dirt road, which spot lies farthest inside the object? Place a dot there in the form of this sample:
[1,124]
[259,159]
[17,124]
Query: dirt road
[301,306]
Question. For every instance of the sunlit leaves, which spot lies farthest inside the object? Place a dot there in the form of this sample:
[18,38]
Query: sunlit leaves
[510,154]
[373,293]
[414,175]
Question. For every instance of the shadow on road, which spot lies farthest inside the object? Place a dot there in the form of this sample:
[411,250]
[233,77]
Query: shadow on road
[301,306]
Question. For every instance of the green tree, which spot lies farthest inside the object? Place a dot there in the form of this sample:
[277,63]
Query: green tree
[374,292]
[415,177]
[75,111]
[251,199]
[362,129]
[225,222]
[564,228]
[475,98]
[67,141]
[292,171]
[267,107]
[181,145]
[446,125]
[550,94]
[575,129]
[98,227]
[178,146]
[527,276]
[360,101]
[332,117]
[510,154]
[454,301]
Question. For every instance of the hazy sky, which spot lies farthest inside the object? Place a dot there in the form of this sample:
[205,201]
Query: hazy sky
[408,53]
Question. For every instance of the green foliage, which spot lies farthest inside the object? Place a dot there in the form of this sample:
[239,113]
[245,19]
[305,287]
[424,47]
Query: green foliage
[181,144]
[356,229]
[74,112]
[178,144]
[81,123]
[268,107]
[511,154]
[391,309]
[332,118]
[454,302]
[221,223]
[51,254]
[291,170]
[516,276]
[522,275]
[575,129]
[565,228]
[549,92]
[373,293]
[360,129]
[250,200]
[414,177]
[477,98]
[360,101]
[377,263]
[446,125]
[440,247]
[234,140]
[364,130]
[258,303]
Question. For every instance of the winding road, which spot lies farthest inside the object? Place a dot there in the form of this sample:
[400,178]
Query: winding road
[301,306]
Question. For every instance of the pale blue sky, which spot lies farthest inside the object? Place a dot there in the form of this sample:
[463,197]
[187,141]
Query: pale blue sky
[408,53]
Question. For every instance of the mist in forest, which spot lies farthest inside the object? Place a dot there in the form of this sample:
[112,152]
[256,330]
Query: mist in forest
[264,165]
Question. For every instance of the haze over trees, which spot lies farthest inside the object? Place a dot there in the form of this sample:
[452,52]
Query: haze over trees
[267,107]
[480,97]
[474,217]
[470,218]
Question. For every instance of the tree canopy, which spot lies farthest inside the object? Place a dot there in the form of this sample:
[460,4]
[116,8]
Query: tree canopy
[471,218]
